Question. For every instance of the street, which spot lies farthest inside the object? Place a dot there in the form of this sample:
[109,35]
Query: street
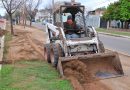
[118,44]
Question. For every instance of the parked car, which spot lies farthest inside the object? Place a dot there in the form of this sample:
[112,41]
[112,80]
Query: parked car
[33,20]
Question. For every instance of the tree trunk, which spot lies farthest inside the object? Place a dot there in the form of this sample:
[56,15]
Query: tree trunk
[126,24]
[109,23]
[11,24]
[30,22]
[122,24]
[19,19]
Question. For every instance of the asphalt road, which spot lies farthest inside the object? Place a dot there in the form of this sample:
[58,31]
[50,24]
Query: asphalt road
[118,44]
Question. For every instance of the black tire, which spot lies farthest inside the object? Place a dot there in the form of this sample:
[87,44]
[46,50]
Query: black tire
[56,52]
[101,47]
[61,52]
[47,49]
[54,55]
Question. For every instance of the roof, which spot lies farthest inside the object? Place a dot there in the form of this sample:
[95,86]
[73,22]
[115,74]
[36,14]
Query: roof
[57,5]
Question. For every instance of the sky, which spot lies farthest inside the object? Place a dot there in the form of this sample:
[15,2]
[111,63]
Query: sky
[89,4]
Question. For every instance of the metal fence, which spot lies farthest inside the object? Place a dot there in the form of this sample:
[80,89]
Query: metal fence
[93,20]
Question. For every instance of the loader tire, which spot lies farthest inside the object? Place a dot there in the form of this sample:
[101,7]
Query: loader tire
[54,55]
[60,50]
[101,47]
[47,49]
[56,52]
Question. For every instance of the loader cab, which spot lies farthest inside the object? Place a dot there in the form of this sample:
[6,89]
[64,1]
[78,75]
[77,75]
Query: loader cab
[77,13]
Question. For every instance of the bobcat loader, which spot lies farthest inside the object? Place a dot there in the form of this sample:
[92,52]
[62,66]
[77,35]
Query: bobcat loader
[87,49]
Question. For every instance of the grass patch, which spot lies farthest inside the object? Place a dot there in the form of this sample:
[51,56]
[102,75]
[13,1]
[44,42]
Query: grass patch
[113,32]
[31,75]
[8,37]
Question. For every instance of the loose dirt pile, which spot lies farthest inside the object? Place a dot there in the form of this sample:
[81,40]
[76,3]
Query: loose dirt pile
[78,70]
[26,45]
[97,85]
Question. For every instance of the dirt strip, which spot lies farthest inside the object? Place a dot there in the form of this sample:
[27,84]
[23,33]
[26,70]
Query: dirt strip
[26,45]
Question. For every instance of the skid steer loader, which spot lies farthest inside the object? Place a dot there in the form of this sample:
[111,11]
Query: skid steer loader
[87,48]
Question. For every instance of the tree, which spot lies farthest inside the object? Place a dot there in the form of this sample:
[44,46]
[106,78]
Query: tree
[125,12]
[11,7]
[112,12]
[32,9]
[118,11]
[125,9]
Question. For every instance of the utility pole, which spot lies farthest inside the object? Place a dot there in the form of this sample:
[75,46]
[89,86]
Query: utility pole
[72,1]
[24,13]
[53,6]
[24,16]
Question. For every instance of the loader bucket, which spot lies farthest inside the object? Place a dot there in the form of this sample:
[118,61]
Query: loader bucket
[94,66]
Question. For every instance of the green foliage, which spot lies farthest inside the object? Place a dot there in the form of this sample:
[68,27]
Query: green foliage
[118,11]
[125,10]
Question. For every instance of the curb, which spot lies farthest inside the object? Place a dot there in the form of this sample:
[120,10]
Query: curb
[1,49]
[114,35]
[125,54]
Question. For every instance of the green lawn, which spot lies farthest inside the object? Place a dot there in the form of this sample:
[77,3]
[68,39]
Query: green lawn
[113,32]
[31,75]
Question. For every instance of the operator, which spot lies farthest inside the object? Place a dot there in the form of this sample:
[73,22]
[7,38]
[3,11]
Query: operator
[70,27]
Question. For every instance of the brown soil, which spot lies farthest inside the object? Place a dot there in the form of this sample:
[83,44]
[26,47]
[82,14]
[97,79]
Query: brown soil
[26,45]
[82,75]
[97,85]
[78,70]
[2,32]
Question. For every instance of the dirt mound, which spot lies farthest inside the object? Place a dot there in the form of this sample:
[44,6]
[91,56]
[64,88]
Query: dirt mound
[79,70]
[83,73]
[97,85]
[25,45]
